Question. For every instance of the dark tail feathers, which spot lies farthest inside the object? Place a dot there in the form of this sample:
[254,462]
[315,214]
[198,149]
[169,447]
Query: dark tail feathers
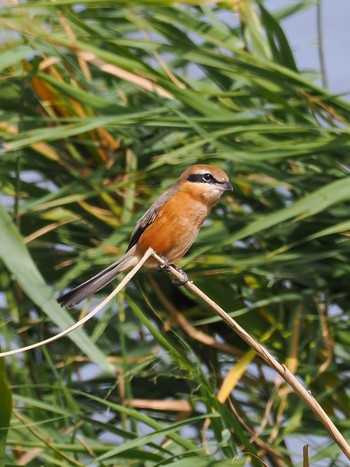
[82,291]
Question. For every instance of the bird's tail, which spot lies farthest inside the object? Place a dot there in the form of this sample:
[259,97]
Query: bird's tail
[82,291]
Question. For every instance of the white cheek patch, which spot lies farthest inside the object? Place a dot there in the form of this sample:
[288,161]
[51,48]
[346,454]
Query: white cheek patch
[213,194]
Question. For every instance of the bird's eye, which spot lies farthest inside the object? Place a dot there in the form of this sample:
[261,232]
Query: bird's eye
[207,178]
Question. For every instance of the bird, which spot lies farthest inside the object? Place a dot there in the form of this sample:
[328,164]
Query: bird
[169,227]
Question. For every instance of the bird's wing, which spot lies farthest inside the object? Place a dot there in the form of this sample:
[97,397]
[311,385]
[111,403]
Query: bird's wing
[150,215]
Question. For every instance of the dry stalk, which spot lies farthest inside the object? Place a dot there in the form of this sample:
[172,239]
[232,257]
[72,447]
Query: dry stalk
[90,315]
[282,370]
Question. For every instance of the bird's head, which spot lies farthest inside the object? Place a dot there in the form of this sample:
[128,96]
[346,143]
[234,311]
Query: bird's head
[205,182]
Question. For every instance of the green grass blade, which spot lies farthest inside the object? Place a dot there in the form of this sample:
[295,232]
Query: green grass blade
[5,410]
[18,260]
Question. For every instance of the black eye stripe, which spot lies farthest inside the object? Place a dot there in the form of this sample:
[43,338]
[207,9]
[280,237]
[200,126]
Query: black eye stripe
[199,178]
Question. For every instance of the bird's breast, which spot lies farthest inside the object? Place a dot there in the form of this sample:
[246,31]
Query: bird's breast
[175,227]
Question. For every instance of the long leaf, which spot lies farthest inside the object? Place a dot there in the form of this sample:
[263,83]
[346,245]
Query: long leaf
[16,257]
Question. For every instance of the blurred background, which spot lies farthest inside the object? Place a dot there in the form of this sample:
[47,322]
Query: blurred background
[103,105]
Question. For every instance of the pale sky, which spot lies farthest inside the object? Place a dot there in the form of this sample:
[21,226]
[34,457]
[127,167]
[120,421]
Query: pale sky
[301,30]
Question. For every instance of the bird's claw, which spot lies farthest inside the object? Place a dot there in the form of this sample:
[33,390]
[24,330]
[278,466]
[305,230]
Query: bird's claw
[166,265]
[183,280]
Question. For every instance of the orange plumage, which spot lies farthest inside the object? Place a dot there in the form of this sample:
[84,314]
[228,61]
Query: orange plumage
[169,226]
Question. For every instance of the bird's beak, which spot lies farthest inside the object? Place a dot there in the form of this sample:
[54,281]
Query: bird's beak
[227,186]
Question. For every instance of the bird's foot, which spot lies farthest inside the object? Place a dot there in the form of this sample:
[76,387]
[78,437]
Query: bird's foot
[166,265]
[184,277]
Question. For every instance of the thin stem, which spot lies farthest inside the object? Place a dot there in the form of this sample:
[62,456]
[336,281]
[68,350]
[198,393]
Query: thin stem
[282,370]
[86,318]
[320,48]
